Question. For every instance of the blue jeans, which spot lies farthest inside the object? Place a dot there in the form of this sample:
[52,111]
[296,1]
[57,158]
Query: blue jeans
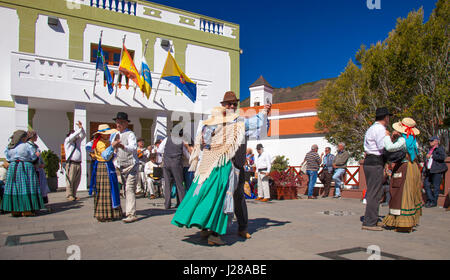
[337,178]
[312,176]
[432,184]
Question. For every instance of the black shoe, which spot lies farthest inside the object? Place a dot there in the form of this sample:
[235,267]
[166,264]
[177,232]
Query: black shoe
[433,205]
[427,205]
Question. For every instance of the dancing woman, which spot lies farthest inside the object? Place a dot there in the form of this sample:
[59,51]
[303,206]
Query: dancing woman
[22,196]
[104,182]
[203,205]
[405,206]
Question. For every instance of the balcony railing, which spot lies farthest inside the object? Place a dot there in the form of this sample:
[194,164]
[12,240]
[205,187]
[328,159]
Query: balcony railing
[122,6]
[211,26]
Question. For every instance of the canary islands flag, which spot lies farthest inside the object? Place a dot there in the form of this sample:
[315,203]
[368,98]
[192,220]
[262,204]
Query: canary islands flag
[146,78]
[128,68]
[103,66]
[173,74]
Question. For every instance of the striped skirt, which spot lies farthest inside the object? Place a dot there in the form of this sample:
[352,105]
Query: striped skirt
[103,209]
[22,190]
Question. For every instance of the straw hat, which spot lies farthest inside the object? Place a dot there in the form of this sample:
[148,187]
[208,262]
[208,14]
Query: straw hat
[406,126]
[105,129]
[217,116]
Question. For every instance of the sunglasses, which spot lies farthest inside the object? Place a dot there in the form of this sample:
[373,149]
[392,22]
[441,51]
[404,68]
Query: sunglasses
[234,104]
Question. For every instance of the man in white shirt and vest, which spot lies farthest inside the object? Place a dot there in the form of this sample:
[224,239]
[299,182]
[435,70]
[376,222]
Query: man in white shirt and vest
[72,148]
[127,163]
[374,168]
[263,163]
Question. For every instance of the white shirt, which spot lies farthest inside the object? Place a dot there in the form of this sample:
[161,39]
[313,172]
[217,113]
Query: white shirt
[374,139]
[148,169]
[159,155]
[263,160]
[73,140]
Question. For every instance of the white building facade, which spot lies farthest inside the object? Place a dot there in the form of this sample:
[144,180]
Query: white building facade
[48,70]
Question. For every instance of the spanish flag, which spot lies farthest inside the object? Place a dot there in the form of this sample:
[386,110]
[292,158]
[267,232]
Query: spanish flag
[173,74]
[128,68]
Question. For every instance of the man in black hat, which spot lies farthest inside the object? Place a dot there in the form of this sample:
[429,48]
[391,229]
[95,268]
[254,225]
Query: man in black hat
[263,163]
[143,156]
[374,167]
[127,163]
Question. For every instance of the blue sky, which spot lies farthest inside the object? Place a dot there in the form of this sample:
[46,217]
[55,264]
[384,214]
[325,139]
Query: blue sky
[291,42]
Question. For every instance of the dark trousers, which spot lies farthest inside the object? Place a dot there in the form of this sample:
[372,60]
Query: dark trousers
[374,193]
[240,206]
[326,177]
[432,184]
[173,170]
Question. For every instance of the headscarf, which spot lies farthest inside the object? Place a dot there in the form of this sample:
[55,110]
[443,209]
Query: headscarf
[15,138]
[411,146]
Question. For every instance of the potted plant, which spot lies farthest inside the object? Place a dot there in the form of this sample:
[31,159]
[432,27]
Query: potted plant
[283,183]
[51,161]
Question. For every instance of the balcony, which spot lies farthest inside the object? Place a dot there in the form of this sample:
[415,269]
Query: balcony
[47,78]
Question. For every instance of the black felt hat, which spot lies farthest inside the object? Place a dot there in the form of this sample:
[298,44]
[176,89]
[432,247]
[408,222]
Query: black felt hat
[122,116]
[381,112]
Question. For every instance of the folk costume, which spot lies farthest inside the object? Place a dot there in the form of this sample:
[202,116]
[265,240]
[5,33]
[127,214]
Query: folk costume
[22,195]
[209,199]
[41,173]
[405,206]
[104,183]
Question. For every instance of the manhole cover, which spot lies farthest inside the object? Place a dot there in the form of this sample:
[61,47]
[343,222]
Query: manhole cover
[337,213]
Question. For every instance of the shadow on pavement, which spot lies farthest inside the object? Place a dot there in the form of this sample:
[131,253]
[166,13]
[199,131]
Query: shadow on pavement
[152,212]
[58,207]
[231,236]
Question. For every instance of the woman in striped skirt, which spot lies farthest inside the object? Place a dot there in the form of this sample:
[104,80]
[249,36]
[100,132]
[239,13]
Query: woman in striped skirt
[22,195]
[104,182]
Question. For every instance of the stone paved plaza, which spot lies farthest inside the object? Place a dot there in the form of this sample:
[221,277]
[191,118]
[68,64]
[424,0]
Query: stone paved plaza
[281,230]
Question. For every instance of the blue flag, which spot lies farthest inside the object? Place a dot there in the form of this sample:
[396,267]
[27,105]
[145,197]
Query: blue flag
[101,65]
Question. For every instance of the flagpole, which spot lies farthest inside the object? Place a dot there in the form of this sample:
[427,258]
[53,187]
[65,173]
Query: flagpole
[140,71]
[95,76]
[121,53]
[156,91]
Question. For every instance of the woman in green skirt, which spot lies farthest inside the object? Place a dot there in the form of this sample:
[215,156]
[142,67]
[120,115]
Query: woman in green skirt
[22,196]
[203,206]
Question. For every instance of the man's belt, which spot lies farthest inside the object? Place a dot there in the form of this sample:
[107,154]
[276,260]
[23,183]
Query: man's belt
[262,169]
[76,162]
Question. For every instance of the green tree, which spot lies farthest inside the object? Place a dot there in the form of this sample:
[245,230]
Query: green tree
[407,72]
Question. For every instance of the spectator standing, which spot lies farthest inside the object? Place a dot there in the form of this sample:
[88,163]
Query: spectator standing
[72,147]
[313,162]
[143,153]
[174,147]
[434,170]
[263,163]
[327,172]
[339,165]
[151,179]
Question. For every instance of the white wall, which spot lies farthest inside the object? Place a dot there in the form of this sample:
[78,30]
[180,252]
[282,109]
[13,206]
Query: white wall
[52,41]
[9,28]
[7,123]
[208,65]
[295,148]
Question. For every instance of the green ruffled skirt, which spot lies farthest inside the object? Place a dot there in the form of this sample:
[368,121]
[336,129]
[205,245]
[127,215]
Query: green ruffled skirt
[204,209]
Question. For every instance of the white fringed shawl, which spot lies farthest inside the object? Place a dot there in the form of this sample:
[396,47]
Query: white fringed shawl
[224,144]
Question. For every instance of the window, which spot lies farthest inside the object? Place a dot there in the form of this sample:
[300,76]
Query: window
[112,54]
[256,104]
